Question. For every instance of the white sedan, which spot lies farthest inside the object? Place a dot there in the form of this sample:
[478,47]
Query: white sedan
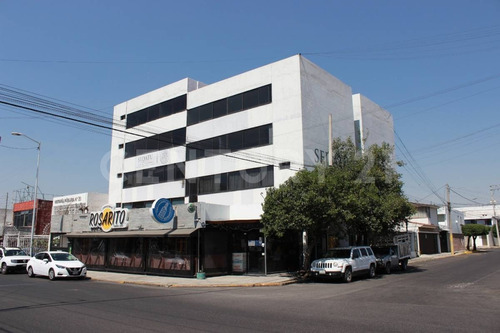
[56,264]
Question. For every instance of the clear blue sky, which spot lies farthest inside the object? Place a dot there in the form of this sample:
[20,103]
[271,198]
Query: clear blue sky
[435,65]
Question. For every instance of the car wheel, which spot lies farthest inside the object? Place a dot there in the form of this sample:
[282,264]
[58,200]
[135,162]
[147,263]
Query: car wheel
[4,268]
[404,264]
[30,272]
[372,271]
[388,268]
[348,275]
[52,275]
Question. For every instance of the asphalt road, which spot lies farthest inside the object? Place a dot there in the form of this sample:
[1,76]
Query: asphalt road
[456,294]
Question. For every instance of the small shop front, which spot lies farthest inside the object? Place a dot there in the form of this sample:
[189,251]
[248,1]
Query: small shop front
[170,252]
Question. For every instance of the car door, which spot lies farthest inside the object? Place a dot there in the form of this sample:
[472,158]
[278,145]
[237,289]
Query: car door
[45,264]
[37,261]
[364,259]
[356,260]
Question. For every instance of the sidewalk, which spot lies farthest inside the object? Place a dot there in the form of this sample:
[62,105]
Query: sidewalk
[183,282]
[220,281]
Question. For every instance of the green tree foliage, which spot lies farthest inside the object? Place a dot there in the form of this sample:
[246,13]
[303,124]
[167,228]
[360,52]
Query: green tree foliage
[358,197]
[474,230]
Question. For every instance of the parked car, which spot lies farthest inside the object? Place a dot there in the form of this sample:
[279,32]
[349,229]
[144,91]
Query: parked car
[56,264]
[345,262]
[12,259]
[392,253]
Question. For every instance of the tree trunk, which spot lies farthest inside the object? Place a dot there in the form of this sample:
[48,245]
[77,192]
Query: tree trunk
[310,244]
[474,237]
[468,243]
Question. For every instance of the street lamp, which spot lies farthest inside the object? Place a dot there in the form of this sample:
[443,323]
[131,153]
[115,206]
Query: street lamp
[33,218]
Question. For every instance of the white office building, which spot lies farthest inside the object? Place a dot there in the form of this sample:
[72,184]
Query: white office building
[212,150]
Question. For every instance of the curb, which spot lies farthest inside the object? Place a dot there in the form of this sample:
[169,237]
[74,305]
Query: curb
[242,285]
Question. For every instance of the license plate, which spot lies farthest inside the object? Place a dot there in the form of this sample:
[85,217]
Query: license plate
[322,271]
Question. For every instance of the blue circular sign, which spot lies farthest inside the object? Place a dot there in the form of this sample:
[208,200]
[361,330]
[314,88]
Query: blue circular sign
[162,211]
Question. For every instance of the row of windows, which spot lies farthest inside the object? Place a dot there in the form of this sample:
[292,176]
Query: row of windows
[148,203]
[157,111]
[157,142]
[231,181]
[161,174]
[246,139]
[244,101]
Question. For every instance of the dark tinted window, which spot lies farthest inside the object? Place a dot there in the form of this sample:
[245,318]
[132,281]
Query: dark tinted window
[156,111]
[250,138]
[152,143]
[231,181]
[161,174]
[220,108]
[193,116]
[232,104]
[157,142]
[206,112]
[235,103]
[235,141]
[251,99]
[264,95]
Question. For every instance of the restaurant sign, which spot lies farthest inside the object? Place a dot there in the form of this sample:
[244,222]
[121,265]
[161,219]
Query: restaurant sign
[109,218]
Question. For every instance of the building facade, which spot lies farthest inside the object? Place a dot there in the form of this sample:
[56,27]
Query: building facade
[211,151]
[456,221]
[423,225]
[485,215]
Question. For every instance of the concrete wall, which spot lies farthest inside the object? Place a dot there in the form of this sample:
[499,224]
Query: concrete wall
[457,220]
[377,125]
[323,95]
[140,219]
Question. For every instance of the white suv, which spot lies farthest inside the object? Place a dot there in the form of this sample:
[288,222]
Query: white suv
[12,259]
[345,262]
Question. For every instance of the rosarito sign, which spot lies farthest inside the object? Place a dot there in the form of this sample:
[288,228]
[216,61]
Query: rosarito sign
[109,218]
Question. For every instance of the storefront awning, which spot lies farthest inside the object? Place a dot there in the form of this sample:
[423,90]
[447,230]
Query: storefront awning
[133,233]
[181,232]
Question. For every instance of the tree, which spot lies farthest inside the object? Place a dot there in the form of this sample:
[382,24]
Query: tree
[474,230]
[358,197]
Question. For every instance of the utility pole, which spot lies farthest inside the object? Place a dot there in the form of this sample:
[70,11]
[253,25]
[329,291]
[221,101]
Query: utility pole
[494,217]
[330,139]
[5,218]
[448,218]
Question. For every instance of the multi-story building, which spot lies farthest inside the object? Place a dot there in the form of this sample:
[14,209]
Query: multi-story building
[212,150]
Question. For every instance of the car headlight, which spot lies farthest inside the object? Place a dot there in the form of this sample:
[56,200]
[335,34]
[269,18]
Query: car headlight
[61,267]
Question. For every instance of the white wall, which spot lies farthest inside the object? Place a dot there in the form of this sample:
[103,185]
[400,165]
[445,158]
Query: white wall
[377,125]
[322,95]
[457,220]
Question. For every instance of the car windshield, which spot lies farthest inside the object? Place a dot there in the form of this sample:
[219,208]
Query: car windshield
[63,256]
[15,252]
[338,253]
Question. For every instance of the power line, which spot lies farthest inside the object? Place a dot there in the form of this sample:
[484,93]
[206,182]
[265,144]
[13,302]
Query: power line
[60,108]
